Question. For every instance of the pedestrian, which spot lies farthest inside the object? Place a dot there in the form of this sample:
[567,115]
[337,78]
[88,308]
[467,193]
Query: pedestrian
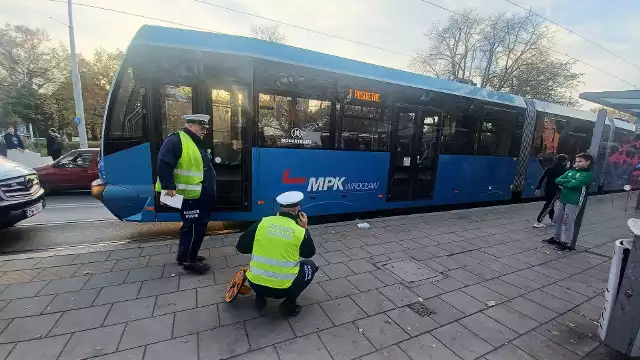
[13,140]
[276,244]
[54,144]
[184,168]
[3,147]
[549,177]
[573,190]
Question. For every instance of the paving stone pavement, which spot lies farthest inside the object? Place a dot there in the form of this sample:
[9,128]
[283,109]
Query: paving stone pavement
[465,284]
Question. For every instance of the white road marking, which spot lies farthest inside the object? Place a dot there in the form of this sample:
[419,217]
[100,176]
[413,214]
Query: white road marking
[65,222]
[54,206]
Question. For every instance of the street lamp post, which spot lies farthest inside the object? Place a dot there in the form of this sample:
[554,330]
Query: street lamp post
[75,79]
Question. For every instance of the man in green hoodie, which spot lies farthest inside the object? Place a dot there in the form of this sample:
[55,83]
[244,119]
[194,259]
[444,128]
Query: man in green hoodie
[573,185]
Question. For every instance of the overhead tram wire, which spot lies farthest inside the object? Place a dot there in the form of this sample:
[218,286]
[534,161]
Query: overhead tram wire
[238,11]
[575,33]
[548,48]
[302,28]
[136,15]
[307,29]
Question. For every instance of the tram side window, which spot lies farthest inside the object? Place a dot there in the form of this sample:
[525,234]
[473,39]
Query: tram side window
[546,137]
[494,133]
[176,101]
[127,118]
[293,122]
[364,129]
[459,133]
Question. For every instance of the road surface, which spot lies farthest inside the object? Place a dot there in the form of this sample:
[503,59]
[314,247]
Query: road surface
[71,207]
[78,219]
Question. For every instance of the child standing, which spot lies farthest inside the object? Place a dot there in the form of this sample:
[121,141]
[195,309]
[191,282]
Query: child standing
[573,185]
[550,174]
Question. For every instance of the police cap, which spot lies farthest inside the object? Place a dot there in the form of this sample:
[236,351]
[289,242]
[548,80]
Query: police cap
[290,198]
[198,119]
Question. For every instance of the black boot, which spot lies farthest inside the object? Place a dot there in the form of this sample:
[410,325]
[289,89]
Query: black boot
[290,310]
[551,241]
[196,267]
[198,259]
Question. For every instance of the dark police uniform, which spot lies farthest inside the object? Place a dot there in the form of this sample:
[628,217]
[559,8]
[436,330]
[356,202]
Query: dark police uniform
[195,213]
[276,243]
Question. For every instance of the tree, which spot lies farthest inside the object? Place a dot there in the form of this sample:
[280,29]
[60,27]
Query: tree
[505,52]
[616,114]
[269,33]
[30,67]
[96,76]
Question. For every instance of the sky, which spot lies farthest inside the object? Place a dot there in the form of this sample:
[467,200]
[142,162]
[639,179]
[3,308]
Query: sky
[396,25]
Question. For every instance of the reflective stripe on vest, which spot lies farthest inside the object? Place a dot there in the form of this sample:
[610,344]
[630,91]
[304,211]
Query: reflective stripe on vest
[269,274]
[276,252]
[274,262]
[188,187]
[189,171]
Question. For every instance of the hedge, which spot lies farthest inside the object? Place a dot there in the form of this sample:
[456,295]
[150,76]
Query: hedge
[40,146]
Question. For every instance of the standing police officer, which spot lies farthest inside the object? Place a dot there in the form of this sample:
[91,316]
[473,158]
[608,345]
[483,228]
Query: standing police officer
[276,244]
[184,168]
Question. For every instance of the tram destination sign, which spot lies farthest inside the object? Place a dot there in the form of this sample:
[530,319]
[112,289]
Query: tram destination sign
[363,95]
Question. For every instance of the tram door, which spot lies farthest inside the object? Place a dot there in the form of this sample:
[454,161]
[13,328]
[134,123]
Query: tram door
[415,145]
[228,104]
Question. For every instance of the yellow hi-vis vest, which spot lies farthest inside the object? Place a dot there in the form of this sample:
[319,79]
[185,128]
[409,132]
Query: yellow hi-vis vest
[189,172]
[276,252]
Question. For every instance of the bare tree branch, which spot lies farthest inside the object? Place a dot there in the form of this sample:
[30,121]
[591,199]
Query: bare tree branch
[269,33]
[505,52]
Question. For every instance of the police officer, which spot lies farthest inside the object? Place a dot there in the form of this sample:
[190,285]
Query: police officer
[276,244]
[184,168]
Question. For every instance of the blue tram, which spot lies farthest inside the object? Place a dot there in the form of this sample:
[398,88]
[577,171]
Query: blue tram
[354,137]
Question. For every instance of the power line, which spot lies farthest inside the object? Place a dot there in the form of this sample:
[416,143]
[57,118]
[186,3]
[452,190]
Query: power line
[575,33]
[302,28]
[545,47]
[308,29]
[135,15]
[238,11]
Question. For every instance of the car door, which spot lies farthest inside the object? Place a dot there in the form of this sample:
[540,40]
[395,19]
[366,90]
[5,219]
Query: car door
[73,173]
[81,171]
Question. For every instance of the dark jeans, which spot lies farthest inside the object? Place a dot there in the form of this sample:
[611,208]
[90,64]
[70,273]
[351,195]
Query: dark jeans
[306,273]
[548,198]
[195,217]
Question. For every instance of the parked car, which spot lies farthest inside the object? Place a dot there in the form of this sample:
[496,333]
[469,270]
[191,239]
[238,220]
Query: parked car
[21,195]
[75,170]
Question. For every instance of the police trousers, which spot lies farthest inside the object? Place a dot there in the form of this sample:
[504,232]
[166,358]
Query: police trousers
[305,275]
[195,218]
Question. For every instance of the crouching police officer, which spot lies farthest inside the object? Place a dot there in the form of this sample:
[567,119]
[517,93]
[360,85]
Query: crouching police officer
[276,244]
[184,168]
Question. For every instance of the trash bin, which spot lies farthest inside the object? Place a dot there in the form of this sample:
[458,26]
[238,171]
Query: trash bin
[619,325]
[621,250]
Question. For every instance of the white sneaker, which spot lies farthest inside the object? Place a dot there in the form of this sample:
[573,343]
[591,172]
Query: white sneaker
[539,225]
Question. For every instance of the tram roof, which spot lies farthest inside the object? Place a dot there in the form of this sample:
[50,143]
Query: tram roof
[245,46]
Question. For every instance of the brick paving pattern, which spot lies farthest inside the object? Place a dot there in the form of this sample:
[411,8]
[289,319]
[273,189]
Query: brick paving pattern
[466,284]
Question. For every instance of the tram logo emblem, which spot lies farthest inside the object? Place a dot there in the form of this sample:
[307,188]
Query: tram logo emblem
[296,133]
[324,183]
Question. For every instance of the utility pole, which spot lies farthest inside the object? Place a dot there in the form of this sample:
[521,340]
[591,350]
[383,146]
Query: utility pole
[77,86]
